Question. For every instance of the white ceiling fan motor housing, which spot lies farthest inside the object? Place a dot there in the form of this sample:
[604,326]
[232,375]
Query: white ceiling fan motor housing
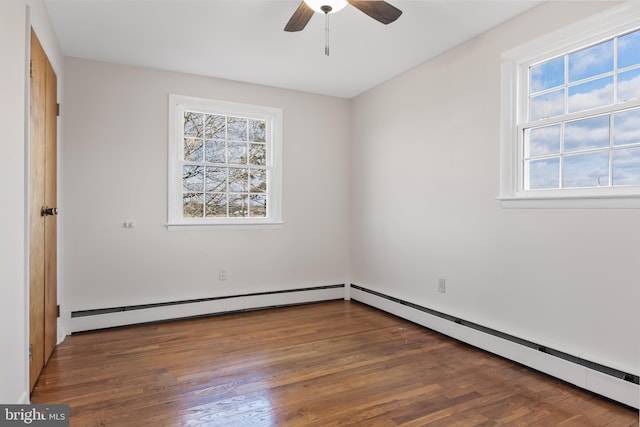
[336,5]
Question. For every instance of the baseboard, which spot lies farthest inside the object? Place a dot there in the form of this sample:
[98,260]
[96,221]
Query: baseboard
[109,317]
[599,380]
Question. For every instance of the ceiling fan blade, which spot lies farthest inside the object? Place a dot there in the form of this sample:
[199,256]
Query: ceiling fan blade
[299,19]
[379,10]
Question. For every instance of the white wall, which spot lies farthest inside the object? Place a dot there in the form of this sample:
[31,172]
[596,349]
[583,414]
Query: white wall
[115,169]
[13,362]
[425,159]
[14,387]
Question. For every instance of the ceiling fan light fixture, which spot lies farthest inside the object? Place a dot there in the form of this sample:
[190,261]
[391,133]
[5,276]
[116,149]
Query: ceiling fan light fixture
[317,5]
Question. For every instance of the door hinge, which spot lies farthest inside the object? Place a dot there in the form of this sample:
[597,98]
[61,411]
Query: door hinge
[31,68]
[58,110]
[58,311]
[30,352]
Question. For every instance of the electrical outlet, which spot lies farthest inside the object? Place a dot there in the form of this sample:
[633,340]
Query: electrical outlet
[223,274]
[442,285]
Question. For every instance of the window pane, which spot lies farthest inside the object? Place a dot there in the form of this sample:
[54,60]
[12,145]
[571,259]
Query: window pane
[192,124]
[214,127]
[216,205]
[626,166]
[216,179]
[258,181]
[237,153]
[586,170]
[193,150]
[238,205]
[629,49]
[258,205]
[629,85]
[192,178]
[547,105]
[543,174]
[192,205]
[541,141]
[239,180]
[257,154]
[257,130]
[547,75]
[236,129]
[215,151]
[587,133]
[595,93]
[626,127]
[591,62]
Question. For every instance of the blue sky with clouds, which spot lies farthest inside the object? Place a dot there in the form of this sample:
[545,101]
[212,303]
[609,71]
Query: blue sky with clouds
[578,152]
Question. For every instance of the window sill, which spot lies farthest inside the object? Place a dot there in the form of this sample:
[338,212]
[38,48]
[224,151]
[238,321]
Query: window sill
[274,225]
[570,202]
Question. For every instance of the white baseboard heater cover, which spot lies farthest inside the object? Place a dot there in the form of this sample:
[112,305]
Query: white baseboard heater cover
[101,318]
[606,381]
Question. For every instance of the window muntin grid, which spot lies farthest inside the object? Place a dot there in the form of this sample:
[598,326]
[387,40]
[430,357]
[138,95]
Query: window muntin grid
[581,129]
[224,166]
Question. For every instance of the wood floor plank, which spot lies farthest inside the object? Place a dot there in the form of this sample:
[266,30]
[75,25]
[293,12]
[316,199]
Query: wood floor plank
[326,364]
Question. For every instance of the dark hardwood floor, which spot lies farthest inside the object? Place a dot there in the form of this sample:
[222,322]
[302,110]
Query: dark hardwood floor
[325,364]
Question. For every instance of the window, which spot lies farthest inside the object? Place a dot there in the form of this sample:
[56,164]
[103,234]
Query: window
[224,163]
[572,132]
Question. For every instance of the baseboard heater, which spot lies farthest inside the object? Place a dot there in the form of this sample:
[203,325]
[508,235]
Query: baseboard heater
[635,379]
[99,311]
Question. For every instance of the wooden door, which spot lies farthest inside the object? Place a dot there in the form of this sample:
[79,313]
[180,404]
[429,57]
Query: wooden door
[43,304]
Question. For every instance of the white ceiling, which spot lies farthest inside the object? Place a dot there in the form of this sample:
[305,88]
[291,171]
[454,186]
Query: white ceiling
[244,39]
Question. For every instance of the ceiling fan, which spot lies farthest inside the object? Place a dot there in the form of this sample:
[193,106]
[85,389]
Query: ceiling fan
[379,10]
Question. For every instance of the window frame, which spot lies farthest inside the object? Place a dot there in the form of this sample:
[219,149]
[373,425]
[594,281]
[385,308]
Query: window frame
[514,98]
[178,104]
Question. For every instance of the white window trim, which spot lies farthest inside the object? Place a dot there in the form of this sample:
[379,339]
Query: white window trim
[272,115]
[591,30]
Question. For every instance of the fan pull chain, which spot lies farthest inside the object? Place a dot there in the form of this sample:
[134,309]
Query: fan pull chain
[326,35]
[326,9]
